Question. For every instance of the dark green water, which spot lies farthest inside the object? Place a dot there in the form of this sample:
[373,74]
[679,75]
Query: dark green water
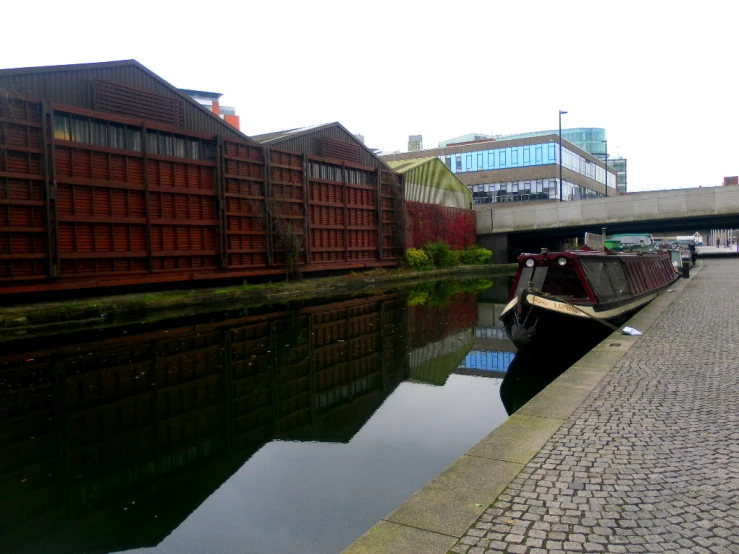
[284,429]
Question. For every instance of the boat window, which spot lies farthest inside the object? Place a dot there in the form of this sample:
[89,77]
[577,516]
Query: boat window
[636,240]
[595,271]
[615,271]
[564,281]
[539,275]
[523,280]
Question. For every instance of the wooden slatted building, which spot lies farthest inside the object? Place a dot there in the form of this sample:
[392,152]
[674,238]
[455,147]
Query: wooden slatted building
[111,176]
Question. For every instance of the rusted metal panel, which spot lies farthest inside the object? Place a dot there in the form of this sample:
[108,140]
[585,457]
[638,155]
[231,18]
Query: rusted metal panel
[90,200]
[286,207]
[24,191]
[244,193]
[393,215]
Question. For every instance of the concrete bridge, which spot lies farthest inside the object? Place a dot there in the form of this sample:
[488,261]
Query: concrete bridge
[510,228]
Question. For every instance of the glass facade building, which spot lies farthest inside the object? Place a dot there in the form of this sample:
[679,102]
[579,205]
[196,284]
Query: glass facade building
[523,156]
[619,164]
[589,139]
[546,153]
[523,169]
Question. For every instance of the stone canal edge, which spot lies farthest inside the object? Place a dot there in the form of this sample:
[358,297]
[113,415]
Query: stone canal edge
[434,519]
[28,319]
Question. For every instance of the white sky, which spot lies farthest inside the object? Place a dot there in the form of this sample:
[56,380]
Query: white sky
[659,77]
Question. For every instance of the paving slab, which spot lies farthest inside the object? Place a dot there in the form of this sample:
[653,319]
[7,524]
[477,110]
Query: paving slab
[450,503]
[518,439]
[391,538]
[557,401]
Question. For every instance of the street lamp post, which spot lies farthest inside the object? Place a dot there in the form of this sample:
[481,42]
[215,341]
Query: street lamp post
[605,142]
[561,112]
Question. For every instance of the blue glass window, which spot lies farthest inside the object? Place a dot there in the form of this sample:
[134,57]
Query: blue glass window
[514,157]
[469,163]
[459,163]
[501,155]
[538,154]
[479,161]
[526,155]
[551,152]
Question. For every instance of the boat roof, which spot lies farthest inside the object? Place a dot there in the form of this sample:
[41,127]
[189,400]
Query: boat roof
[589,253]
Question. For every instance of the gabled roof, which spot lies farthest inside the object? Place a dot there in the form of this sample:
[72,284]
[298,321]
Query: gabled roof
[49,69]
[275,138]
[432,173]
[268,138]
[402,166]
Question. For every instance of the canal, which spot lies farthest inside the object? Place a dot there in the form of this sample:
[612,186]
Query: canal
[284,428]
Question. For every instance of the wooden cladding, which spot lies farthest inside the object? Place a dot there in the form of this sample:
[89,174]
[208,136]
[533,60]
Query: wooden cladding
[331,148]
[129,206]
[119,99]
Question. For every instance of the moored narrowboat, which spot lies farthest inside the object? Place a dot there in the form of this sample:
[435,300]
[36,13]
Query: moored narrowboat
[557,296]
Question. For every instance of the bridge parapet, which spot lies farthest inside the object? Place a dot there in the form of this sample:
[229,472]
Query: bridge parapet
[635,207]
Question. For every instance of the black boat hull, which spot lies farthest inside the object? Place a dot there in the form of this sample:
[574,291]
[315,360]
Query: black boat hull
[533,320]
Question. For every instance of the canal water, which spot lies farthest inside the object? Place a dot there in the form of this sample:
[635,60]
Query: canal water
[285,428]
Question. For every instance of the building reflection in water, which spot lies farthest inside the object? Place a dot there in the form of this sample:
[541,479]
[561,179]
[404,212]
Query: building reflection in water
[162,419]
[171,414]
[492,351]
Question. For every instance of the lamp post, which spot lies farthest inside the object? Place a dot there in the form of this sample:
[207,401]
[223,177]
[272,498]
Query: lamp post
[605,143]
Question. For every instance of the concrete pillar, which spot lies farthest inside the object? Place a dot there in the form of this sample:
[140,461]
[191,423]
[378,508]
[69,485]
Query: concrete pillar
[498,244]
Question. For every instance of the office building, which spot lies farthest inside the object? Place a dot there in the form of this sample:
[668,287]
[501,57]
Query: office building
[522,169]
[590,139]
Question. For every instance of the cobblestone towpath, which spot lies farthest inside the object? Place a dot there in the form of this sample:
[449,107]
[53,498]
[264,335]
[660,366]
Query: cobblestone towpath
[650,460]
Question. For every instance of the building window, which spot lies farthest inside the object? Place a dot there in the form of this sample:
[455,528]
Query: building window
[538,154]
[62,127]
[448,161]
[491,159]
[81,129]
[551,153]
[502,158]
[514,157]
[479,161]
[526,155]
[469,162]
[459,162]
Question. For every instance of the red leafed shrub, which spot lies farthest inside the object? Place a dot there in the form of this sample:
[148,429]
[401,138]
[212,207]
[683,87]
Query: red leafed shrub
[431,222]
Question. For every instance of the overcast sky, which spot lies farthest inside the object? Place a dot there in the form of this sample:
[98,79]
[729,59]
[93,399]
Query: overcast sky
[658,76]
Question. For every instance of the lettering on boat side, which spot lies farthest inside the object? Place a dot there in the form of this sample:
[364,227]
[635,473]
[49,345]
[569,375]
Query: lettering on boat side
[561,306]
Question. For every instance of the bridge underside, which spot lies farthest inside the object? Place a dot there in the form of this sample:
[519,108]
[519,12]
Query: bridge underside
[508,246]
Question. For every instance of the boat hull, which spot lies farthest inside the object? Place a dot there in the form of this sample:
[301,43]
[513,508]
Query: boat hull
[536,320]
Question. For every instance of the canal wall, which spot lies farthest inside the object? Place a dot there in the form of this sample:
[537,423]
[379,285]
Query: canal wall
[38,318]
[440,515]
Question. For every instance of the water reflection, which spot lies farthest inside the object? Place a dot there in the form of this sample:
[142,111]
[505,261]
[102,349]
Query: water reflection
[530,371]
[257,433]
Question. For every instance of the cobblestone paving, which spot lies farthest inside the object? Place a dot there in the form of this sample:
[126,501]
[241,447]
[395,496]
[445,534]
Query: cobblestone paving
[650,460]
